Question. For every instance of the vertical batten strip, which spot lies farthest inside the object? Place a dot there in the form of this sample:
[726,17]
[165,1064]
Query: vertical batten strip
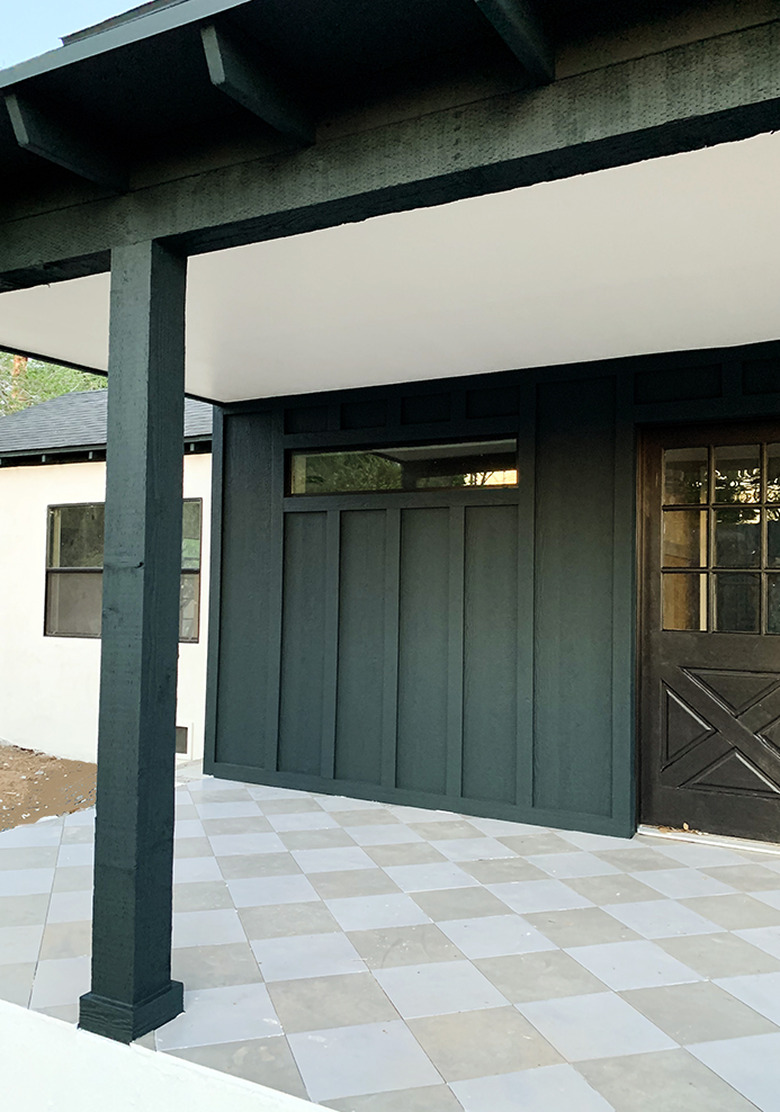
[526,553]
[457,555]
[275,542]
[392,618]
[331,643]
[625,602]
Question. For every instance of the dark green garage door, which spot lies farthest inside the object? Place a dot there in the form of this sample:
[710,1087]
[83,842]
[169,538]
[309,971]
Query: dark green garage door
[406,597]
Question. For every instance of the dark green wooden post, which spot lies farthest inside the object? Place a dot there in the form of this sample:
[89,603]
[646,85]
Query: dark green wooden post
[132,991]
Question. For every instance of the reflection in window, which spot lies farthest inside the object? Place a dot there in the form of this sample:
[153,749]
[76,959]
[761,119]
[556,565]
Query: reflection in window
[738,473]
[74,575]
[737,602]
[488,463]
[685,476]
[685,601]
[737,538]
[685,538]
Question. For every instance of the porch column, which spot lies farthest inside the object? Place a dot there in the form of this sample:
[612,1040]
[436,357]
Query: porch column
[132,991]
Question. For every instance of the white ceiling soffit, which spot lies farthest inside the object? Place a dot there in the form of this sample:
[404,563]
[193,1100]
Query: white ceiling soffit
[673,253]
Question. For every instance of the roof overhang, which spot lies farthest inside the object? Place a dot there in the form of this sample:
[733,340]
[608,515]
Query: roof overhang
[668,254]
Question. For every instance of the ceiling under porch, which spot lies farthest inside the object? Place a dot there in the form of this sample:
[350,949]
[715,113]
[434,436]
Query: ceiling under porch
[669,254]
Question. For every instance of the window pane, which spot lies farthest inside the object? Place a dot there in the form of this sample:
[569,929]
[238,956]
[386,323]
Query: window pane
[190,534]
[773,473]
[73,603]
[430,467]
[76,536]
[737,599]
[737,538]
[189,607]
[738,473]
[685,538]
[685,601]
[773,604]
[773,538]
[685,476]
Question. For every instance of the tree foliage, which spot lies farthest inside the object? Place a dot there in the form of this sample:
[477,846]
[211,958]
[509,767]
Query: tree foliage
[25,382]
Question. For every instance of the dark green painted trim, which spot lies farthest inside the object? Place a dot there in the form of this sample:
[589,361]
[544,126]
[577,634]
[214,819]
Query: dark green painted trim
[330,641]
[252,85]
[565,820]
[132,916]
[457,534]
[518,24]
[526,576]
[624,608]
[576,125]
[215,587]
[390,678]
[42,134]
[121,33]
[273,542]
[125,1022]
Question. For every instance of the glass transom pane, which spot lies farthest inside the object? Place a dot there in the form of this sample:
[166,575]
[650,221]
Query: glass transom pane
[489,463]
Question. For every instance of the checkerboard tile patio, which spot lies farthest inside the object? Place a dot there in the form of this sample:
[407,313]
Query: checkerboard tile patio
[380,958]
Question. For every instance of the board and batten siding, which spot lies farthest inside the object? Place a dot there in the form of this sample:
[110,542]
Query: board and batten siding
[472,650]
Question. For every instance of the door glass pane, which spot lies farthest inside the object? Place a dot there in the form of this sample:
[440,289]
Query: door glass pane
[685,538]
[737,598]
[685,476]
[738,473]
[773,604]
[773,473]
[773,538]
[737,538]
[685,601]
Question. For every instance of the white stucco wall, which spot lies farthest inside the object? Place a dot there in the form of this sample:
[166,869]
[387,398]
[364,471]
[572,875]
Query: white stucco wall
[49,685]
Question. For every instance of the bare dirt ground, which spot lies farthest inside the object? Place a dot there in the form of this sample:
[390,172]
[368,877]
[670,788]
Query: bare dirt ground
[33,785]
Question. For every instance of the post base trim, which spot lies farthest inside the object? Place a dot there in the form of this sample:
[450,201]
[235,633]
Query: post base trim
[116,1019]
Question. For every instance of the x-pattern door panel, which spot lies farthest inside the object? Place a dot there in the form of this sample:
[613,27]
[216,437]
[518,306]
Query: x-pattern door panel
[710,710]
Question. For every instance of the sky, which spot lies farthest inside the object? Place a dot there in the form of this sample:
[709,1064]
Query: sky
[31,27]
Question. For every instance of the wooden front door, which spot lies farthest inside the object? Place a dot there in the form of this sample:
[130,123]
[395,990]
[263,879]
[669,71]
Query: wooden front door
[710,652]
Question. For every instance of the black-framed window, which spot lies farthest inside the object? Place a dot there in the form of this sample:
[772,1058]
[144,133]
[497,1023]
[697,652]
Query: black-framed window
[419,467]
[74,570]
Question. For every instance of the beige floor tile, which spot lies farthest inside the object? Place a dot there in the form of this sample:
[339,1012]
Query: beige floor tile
[480,1043]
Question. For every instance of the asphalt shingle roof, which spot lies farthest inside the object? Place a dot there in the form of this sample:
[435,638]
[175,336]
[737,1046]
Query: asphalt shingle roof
[75,421]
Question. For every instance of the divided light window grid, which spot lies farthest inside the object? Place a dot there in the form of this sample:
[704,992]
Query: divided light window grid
[720,538]
[74,570]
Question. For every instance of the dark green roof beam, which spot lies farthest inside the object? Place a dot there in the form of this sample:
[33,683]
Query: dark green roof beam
[521,29]
[252,84]
[42,134]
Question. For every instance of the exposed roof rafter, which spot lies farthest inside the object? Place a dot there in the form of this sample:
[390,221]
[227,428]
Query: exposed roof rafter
[41,133]
[252,84]
[521,29]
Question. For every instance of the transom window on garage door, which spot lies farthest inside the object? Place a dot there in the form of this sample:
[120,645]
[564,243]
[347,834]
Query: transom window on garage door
[721,538]
[491,463]
[74,570]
